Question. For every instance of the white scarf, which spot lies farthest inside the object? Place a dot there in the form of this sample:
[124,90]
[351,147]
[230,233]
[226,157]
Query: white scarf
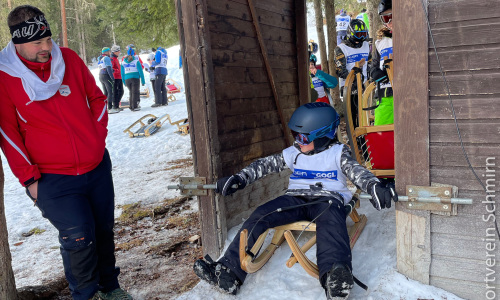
[34,87]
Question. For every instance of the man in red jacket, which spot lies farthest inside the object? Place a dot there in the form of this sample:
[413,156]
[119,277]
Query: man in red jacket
[53,120]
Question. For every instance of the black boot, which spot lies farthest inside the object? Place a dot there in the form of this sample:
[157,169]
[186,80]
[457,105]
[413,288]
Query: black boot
[338,282]
[217,274]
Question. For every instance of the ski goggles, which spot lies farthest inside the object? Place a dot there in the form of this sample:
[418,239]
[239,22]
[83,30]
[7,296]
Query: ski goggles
[360,34]
[386,18]
[305,139]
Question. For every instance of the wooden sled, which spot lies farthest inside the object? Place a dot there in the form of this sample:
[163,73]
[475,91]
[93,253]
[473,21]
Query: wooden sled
[172,88]
[375,140]
[282,233]
[144,92]
[153,124]
[124,104]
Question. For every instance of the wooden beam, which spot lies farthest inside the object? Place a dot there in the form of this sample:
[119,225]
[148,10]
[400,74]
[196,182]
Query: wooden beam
[302,59]
[200,98]
[263,49]
[411,95]
[64,26]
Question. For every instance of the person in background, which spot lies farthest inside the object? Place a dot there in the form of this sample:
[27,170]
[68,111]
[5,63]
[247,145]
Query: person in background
[160,64]
[180,58]
[148,67]
[320,81]
[132,76]
[342,20]
[384,113]
[53,119]
[106,76]
[363,16]
[118,85]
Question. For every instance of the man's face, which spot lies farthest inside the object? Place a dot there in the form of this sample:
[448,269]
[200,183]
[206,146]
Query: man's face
[36,51]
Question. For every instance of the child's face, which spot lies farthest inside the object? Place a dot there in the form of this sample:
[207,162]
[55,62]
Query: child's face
[306,148]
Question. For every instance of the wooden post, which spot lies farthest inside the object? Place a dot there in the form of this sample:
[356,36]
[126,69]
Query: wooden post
[411,135]
[302,59]
[64,26]
[263,49]
[7,281]
[200,98]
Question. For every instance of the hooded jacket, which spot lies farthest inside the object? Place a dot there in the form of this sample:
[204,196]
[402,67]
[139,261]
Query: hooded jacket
[62,134]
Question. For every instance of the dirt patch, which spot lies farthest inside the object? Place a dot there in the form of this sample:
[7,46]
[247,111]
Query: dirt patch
[152,249]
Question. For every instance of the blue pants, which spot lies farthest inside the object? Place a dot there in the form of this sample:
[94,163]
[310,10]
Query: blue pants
[332,243]
[82,209]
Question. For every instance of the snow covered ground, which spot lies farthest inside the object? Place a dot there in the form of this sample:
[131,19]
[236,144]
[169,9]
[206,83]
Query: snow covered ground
[136,163]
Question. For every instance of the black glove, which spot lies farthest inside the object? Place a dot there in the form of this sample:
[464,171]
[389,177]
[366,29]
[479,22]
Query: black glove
[379,75]
[382,195]
[225,186]
[152,68]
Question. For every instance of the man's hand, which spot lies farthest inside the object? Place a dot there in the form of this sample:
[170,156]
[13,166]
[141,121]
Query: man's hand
[382,195]
[33,189]
[225,185]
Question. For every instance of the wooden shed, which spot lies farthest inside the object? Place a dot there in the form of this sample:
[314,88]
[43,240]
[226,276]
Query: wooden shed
[245,70]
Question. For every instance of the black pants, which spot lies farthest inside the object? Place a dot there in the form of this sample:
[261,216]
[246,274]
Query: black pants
[117,93]
[153,86]
[81,207]
[160,90]
[107,86]
[331,230]
[133,85]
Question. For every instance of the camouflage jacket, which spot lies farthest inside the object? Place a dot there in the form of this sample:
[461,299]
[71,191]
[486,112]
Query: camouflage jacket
[357,174]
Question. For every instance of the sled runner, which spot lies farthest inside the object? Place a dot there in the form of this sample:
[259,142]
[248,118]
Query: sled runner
[172,88]
[124,104]
[150,124]
[251,264]
[144,92]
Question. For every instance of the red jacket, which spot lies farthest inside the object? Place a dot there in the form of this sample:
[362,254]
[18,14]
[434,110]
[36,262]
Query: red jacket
[116,67]
[64,134]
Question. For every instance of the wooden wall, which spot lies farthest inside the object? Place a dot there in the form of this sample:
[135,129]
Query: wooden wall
[231,102]
[469,51]
[468,48]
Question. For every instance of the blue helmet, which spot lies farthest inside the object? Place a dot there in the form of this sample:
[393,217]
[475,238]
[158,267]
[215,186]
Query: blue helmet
[314,120]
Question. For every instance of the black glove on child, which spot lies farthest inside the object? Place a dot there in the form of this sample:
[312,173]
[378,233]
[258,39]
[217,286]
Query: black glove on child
[382,195]
[379,75]
[225,185]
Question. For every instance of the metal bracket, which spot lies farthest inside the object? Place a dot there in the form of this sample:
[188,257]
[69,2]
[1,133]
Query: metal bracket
[443,193]
[190,181]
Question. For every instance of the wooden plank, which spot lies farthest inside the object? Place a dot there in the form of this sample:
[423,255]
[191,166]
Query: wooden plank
[455,225]
[224,24]
[251,75]
[411,84]
[256,90]
[224,57]
[242,11]
[470,247]
[250,121]
[458,268]
[413,245]
[460,33]
[485,107]
[252,152]
[462,10]
[474,131]
[466,83]
[464,289]
[200,108]
[461,177]
[458,58]
[302,59]
[478,208]
[279,7]
[443,154]
[227,41]
[241,106]
[248,137]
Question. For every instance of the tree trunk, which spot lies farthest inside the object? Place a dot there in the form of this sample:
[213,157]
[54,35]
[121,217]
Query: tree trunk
[7,281]
[331,33]
[375,22]
[64,28]
[321,35]
[80,34]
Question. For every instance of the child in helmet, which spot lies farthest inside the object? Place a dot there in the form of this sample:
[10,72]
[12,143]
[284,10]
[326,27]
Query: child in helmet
[321,166]
[353,49]
[384,113]
[320,80]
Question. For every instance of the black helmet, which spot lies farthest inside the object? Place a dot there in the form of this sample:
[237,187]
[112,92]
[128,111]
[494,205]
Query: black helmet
[312,47]
[357,31]
[384,5]
[313,121]
[313,59]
